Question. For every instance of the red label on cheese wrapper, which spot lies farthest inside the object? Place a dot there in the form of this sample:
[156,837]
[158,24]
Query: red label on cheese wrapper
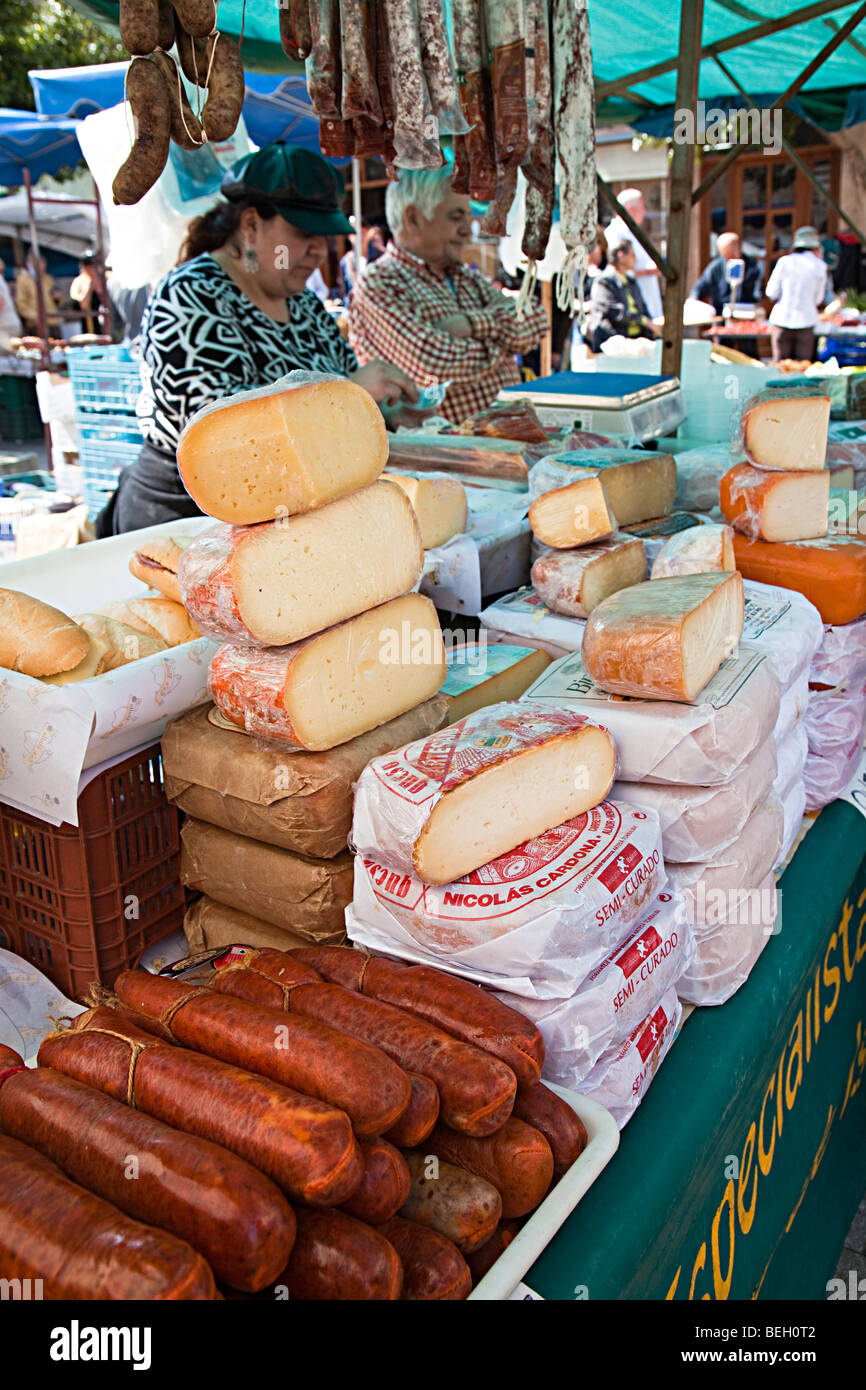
[618,871]
[652,1034]
[638,951]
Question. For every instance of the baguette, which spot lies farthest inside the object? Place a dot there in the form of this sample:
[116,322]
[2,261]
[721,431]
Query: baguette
[94,664]
[155,617]
[36,639]
[123,643]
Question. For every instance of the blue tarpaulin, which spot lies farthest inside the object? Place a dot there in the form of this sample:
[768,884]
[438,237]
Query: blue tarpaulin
[40,145]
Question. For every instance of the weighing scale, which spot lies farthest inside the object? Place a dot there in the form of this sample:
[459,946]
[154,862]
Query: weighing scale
[631,404]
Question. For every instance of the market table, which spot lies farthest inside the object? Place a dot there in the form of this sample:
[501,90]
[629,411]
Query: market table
[740,1173]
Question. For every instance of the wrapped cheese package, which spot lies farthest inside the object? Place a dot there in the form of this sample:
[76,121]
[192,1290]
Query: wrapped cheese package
[637,484]
[699,472]
[710,889]
[484,673]
[791,754]
[574,582]
[699,745]
[615,997]
[792,706]
[841,657]
[330,688]
[576,514]
[534,921]
[302,802]
[447,804]
[698,823]
[785,625]
[725,954]
[524,614]
[294,892]
[664,639]
[279,582]
[826,777]
[834,720]
[621,1076]
[697,550]
[793,809]
[830,572]
[775,506]
[280,449]
[783,430]
[209,924]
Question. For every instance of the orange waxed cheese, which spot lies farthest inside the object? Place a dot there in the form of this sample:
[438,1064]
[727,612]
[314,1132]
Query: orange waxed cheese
[830,572]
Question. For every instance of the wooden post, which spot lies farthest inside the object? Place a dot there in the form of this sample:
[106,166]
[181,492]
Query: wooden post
[546,347]
[41,321]
[682,173]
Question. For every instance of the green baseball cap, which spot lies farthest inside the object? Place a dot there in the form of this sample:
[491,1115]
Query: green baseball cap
[304,188]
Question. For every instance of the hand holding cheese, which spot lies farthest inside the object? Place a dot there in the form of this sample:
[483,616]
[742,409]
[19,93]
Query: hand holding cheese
[785,431]
[776,506]
[574,582]
[573,515]
[664,639]
[699,550]
[439,504]
[283,449]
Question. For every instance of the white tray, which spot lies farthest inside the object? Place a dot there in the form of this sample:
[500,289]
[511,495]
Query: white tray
[603,1141]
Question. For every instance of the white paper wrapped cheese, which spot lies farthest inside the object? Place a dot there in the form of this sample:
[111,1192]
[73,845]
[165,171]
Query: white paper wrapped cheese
[841,658]
[725,954]
[620,1078]
[791,753]
[701,745]
[536,920]
[783,624]
[711,890]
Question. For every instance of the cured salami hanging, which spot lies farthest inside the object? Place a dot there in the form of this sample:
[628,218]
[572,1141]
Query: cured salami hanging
[574,131]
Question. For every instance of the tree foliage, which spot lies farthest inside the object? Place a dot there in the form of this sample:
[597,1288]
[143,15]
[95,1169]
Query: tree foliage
[46,34]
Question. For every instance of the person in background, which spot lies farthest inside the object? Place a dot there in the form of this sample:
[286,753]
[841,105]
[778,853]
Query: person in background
[88,291]
[616,302]
[316,283]
[798,284]
[646,270]
[236,314]
[418,305]
[128,303]
[10,324]
[27,297]
[712,285]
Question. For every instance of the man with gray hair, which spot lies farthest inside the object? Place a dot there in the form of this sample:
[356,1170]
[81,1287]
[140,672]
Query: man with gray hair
[645,269]
[421,308]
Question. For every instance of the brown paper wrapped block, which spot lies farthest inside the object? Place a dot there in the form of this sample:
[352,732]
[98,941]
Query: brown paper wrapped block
[298,801]
[210,924]
[292,891]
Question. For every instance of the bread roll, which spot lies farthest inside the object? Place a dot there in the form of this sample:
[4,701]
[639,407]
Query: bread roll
[124,643]
[155,564]
[155,617]
[36,639]
[92,665]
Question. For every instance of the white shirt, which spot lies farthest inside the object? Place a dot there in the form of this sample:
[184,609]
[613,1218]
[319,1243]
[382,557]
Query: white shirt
[799,286]
[650,286]
[316,283]
[10,324]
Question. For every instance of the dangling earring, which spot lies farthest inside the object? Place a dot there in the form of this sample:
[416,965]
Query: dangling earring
[251,260]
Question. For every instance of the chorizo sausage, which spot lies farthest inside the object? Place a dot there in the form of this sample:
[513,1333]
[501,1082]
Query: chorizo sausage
[228,1211]
[465,1208]
[300,1053]
[505,37]
[554,1118]
[416,128]
[383,1188]
[485,1257]
[473,86]
[420,1116]
[225,88]
[457,1007]
[148,99]
[338,1258]
[433,1268]
[192,56]
[138,22]
[166,25]
[323,60]
[574,131]
[359,93]
[307,1147]
[295,35]
[196,17]
[81,1247]
[186,129]
[476,1090]
[517,1160]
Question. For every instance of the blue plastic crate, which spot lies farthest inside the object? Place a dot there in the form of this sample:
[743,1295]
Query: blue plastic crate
[95,428]
[101,462]
[106,379]
[95,495]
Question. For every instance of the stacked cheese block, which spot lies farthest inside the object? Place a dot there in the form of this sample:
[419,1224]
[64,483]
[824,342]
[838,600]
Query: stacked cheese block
[695,743]
[834,718]
[306,580]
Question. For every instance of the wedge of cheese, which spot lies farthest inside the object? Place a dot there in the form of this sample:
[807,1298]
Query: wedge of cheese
[575,582]
[637,484]
[573,515]
[448,804]
[786,432]
[283,449]
[439,504]
[665,639]
[774,506]
[830,572]
[699,550]
[280,582]
[481,673]
[332,687]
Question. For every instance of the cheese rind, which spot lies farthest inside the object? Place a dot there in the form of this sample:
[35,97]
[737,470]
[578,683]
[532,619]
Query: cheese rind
[439,503]
[786,432]
[574,582]
[282,581]
[699,550]
[483,673]
[664,639]
[637,485]
[282,450]
[573,515]
[338,684]
[445,805]
[830,572]
[774,506]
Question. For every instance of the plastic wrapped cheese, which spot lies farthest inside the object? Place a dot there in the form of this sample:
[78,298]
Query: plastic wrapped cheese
[826,777]
[784,430]
[332,687]
[792,707]
[701,745]
[834,720]
[726,953]
[576,514]
[524,614]
[791,754]
[783,624]
[574,582]
[699,823]
[710,889]
[775,506]
[637,484]
[534,921]
[699,472]
[614,998]
[793,808]
[621,1076]
[830,572]
[288,447]
[841,658]
[449,803]
[695,551]
[277,583]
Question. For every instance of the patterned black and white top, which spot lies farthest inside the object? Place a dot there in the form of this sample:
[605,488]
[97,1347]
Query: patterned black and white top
[203,339]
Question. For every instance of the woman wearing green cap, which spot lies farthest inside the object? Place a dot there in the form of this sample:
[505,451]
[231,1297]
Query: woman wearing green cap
[235,314]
